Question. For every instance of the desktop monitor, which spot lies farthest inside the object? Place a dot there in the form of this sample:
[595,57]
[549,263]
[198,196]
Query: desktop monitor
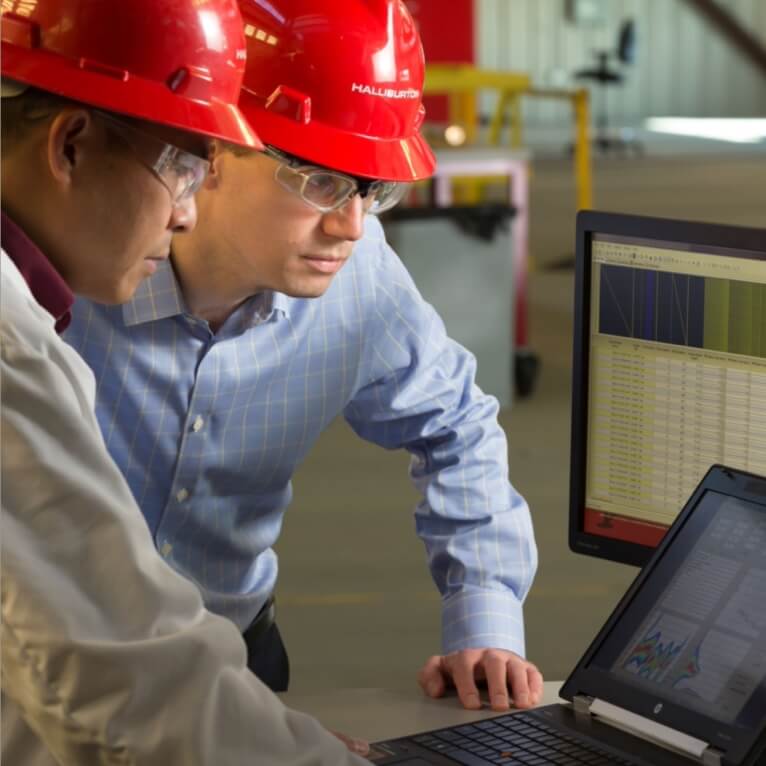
[669,372]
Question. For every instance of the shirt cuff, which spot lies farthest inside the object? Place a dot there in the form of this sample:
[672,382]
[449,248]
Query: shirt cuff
[483,619]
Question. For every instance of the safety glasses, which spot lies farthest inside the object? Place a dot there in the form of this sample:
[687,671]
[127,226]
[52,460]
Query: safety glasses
[180,172]
[326,190]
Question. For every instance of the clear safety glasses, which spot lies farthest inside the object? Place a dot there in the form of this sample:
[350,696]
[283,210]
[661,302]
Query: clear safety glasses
[326,190]
[181,172]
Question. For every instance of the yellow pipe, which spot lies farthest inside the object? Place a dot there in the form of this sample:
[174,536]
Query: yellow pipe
[517,134]
[496,125]
[582,150]
[446,78]
[470,115]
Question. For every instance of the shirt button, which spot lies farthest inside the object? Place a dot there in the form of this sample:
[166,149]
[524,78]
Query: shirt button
[182,494]
[166,549]
[198,423]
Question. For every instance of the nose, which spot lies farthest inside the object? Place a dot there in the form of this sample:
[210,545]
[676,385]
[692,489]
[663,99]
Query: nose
[347,222]
[183,215]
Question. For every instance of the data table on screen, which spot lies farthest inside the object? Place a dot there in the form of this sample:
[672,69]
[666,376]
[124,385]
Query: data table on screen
[677,376]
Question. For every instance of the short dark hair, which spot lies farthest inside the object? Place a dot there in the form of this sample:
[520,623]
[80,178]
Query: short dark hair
[33,107]
[21,113]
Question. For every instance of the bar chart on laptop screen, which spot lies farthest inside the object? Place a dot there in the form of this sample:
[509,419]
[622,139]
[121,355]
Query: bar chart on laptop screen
[677,378]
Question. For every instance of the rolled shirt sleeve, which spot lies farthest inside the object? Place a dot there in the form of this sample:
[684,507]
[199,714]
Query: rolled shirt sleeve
[421,395]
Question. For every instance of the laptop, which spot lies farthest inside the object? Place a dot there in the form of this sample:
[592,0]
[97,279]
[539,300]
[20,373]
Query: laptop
[676,676]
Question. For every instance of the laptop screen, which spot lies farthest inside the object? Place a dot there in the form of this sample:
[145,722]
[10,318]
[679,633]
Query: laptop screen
[703,643]
[688,649]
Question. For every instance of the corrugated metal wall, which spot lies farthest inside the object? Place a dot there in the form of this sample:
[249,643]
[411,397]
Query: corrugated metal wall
[683,66]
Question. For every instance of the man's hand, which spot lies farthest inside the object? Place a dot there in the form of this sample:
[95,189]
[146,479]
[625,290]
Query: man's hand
[503,671]
[358,746]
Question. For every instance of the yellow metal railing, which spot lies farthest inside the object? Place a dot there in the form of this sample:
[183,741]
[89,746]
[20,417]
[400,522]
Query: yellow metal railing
[461,84]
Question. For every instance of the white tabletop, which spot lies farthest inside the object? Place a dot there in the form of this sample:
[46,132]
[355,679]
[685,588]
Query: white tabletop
[375,714]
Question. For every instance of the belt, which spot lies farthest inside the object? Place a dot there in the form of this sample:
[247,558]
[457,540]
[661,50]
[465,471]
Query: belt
[262,622]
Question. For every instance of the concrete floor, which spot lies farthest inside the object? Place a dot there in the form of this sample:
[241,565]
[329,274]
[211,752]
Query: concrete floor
[356,604]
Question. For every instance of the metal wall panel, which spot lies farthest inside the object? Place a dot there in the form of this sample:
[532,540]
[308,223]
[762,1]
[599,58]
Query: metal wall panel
[684,67]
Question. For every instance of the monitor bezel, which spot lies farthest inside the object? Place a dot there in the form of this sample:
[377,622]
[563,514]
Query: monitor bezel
[694,233]
[591,681]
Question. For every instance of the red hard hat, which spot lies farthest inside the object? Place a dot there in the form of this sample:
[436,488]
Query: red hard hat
[175,62]
[339,84]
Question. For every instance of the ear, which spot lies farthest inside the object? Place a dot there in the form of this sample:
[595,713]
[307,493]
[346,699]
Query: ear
[215,156]
[68,136]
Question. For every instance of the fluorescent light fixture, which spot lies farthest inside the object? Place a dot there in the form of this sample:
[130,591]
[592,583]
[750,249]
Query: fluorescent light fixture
[733,130]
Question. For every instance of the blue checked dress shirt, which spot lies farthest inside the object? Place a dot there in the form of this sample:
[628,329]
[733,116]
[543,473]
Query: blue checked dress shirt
[209,428]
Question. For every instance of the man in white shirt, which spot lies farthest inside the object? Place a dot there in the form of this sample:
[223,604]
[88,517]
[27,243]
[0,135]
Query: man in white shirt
[108,656]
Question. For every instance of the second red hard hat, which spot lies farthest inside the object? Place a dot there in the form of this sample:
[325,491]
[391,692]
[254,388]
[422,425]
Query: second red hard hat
[338,84]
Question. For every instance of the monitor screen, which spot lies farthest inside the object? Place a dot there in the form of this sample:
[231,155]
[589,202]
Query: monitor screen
[669,372]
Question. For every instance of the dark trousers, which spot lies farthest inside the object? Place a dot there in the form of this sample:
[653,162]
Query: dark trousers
[267,656]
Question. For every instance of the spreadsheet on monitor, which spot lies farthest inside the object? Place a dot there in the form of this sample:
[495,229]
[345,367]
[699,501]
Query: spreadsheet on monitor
[677,378]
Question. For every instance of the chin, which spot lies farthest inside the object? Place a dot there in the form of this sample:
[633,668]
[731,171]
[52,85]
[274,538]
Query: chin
[307,291]
[109,295]
[121,292]
[312,288]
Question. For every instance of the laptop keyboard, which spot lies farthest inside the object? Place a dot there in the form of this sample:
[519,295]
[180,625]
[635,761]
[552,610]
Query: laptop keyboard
[515,740]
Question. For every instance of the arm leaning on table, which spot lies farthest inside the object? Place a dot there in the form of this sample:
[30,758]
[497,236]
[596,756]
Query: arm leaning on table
[108,655]
[420,394]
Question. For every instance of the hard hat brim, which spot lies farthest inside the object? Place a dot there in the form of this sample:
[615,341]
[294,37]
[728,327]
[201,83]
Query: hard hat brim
[400,159]
[133,96]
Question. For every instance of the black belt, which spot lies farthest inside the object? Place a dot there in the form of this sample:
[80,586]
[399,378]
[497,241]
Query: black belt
[262,622]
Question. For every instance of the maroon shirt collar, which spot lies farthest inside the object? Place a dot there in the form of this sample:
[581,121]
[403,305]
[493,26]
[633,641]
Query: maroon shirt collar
[45,283]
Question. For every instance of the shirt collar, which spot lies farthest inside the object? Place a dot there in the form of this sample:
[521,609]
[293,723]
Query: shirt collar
[160,297]
[281,303]
[45,283]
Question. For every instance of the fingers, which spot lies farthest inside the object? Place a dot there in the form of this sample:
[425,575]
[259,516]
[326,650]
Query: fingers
[525,681]
[535,678]
[495,670]
[518,681]
[508,676]
[461,666]
[358,746]
[431,678]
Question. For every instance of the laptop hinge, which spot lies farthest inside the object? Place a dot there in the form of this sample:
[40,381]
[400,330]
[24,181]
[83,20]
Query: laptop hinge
[648,730]
[581,704]
[712,757]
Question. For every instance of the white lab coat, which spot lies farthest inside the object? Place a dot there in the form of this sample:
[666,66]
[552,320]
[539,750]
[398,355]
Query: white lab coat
[108,656]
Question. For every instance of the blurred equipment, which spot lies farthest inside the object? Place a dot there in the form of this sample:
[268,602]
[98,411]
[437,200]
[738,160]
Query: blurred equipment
[476,275]
[462,85]
[468,173]
[605,75]
[460,259]
[482,164]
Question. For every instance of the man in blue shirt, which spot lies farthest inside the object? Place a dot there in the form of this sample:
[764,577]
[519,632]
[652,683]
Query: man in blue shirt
[286,308]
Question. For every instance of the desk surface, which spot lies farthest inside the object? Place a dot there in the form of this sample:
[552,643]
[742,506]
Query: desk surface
[375,714]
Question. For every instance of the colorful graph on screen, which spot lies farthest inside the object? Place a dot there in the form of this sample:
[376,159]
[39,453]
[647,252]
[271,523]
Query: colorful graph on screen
[683,310]
[654,653]
[689,669]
